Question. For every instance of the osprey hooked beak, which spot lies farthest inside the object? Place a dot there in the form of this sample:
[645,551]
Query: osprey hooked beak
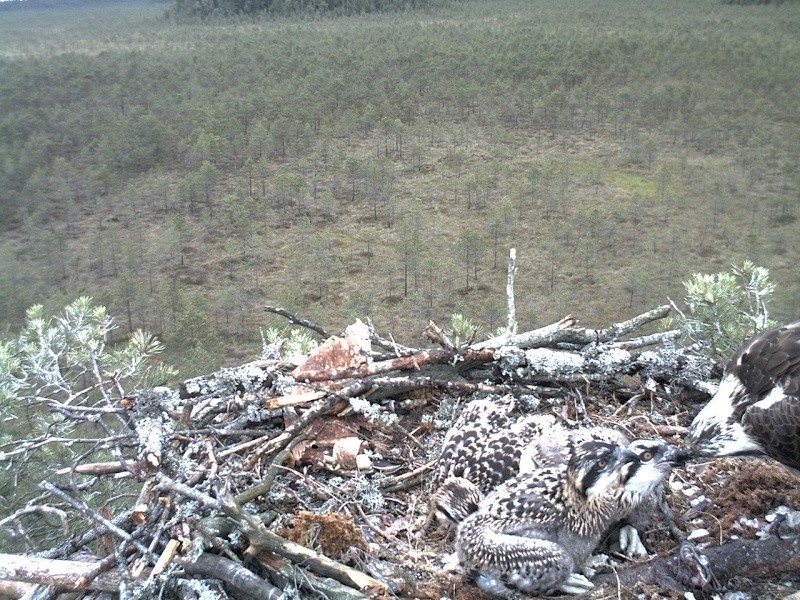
[717,430]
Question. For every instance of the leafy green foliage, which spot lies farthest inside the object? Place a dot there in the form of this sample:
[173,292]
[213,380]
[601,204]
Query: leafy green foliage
[61,383]
[727,308]
[462,330]
[290,342]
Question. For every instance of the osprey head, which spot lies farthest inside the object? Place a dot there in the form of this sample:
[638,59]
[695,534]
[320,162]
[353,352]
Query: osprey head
[597,468]
[656,459]
[455,500]
[717,429]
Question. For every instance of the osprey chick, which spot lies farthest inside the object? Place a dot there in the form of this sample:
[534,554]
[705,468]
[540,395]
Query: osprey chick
[532,533]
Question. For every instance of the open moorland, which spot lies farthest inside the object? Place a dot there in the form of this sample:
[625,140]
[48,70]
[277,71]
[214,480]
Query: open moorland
[185,175]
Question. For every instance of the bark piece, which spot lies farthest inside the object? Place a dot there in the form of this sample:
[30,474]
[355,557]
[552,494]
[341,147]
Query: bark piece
[336,353]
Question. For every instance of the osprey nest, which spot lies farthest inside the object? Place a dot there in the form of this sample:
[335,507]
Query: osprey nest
[311,476]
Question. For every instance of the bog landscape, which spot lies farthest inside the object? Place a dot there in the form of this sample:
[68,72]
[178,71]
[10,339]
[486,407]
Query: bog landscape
[184,174]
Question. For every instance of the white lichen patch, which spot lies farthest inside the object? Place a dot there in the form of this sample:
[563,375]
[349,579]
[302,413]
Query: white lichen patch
[545,360]
[373,412]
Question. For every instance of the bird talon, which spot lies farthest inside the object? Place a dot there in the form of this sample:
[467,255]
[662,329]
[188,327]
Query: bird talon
[575,584]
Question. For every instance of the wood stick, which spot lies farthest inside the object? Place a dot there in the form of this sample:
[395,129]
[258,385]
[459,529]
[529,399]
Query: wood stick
[297,320]
[99,468]
[403,363]
[63,574]
[235,575]
[511,325]
[263,539]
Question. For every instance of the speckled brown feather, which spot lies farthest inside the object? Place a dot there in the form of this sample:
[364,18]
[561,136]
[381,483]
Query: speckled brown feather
[478,420]
[777,429]
[485,444]
[534,530]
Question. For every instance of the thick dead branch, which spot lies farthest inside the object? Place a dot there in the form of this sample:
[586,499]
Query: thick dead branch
[403,363]
[544,336]
[287,573]
[601,364]
[739,558]
[245,583]
[261,539]
[63,574]
[565,331]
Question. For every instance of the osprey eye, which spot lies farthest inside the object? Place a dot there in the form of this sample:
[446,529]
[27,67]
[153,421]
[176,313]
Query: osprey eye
[646,455]
[601,463]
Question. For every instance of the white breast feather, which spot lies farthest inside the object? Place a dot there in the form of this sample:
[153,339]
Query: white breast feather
[774,397]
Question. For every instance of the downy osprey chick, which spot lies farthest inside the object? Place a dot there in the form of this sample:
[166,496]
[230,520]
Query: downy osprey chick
[643,493]
[481,450]
[533,532]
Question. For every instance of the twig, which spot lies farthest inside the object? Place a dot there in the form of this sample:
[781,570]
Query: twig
[406,480]
[511,326]
[398,349]
[184,490]
[84,509]
[45,510]
[396,425]
[297,320]
[263,488]
[369,525]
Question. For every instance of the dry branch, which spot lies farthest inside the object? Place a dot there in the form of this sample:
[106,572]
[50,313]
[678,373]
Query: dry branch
[99,469]
[292,318]
[246,584]
[565,331]
[261,539]
[63,574]
[403,363]
[739,558]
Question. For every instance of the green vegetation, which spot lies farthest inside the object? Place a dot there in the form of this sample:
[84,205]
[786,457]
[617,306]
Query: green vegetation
[61,391]
[382,164]
[726,309]
[216,9]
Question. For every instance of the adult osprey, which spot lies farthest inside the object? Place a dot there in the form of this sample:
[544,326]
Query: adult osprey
[756,410]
